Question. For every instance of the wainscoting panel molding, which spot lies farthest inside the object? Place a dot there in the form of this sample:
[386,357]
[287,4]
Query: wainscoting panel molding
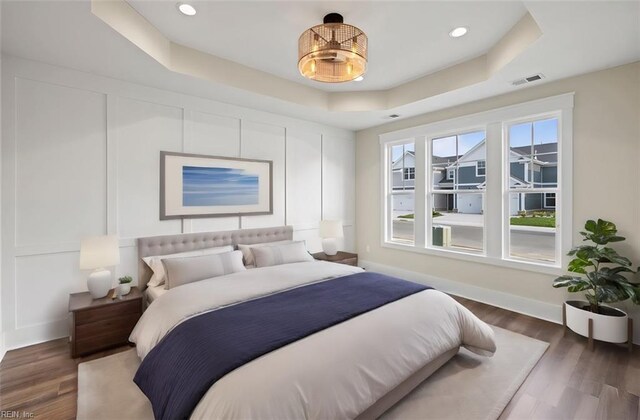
[264,141]
[80,157]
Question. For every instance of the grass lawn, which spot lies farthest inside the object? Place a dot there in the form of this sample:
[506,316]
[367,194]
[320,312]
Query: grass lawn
[534,221]
[411,216]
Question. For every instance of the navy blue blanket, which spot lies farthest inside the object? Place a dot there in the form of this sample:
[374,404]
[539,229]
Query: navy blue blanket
[177,373]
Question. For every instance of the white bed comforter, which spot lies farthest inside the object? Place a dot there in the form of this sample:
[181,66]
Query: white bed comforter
[336,373]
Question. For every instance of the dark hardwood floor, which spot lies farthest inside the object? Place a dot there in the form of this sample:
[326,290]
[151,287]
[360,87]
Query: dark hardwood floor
[569,382]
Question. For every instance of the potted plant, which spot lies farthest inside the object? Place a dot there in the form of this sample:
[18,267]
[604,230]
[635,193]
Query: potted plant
[125,285]
[601,275]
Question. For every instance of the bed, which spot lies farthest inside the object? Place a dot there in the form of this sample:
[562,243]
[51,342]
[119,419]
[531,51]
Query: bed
[355,368]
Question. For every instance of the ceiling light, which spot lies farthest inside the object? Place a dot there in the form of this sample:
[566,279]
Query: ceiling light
[359,79]
[186,9]
[458,32]
[333,52]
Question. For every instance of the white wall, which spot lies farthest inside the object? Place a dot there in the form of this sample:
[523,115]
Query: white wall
[80,157]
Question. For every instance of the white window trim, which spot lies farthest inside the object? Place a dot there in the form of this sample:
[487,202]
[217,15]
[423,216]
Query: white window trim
[492,122]
[451,174]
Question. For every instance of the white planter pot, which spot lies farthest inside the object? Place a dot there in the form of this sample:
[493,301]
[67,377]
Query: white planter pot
[610,328]
[124,289]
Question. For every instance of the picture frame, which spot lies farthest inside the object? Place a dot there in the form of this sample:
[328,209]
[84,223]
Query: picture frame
[203,186]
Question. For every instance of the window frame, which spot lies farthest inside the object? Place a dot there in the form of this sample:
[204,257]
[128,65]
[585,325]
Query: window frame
[431,192]
[493,122]
[507,190]
[389,191]
[478,175]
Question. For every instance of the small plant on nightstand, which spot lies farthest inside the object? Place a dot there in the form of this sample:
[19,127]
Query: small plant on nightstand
[125,285]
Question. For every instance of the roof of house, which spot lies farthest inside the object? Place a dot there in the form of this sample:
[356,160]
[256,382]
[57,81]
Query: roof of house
[547,152]
[543,153]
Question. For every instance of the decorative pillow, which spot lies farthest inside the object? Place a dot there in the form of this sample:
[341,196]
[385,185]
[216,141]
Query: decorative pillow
[266,256]
[248,256]
[190,269]
[155,262]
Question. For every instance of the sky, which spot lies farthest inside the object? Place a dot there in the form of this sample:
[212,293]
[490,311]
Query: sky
[544,131]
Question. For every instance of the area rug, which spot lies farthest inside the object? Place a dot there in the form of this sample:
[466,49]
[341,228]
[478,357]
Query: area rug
[467,387]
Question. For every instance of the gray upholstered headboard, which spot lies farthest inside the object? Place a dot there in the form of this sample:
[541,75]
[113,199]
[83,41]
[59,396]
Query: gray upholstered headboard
[171,244]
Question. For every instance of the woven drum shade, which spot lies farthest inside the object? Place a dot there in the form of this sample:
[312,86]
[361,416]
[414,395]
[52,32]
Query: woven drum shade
[333,52]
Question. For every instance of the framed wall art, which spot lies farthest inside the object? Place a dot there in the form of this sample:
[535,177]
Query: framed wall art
[213,186]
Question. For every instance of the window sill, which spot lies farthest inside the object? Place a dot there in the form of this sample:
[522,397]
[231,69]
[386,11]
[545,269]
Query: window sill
[481,259]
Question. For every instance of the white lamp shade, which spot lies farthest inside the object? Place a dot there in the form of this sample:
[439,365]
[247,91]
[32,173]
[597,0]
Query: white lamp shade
[99,252]
[331,229]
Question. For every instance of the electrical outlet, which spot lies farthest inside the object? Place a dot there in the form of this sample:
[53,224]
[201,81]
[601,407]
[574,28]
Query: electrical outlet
[367,248]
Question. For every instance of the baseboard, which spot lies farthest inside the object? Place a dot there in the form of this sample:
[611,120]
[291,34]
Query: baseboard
[531,307]
[35,334]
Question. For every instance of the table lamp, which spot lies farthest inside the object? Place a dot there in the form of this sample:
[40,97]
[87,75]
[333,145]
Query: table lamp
[329,231]
[97,253]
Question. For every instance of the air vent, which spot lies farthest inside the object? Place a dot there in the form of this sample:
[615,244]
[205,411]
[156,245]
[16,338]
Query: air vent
[528,79]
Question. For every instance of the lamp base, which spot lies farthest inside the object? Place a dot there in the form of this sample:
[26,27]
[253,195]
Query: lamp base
[329,246]
[99,283]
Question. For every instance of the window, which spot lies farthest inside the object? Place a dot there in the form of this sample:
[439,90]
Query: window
[550,200]
[456,219]
[401,197]
[409,173]
[451,174]
[481,168]
[501,168]
[533,183]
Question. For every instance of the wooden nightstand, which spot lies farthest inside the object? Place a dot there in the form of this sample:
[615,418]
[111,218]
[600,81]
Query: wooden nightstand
[341,257]
[102,323]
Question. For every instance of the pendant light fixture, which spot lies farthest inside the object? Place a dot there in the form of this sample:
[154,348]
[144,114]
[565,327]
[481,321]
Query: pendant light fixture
[333,52]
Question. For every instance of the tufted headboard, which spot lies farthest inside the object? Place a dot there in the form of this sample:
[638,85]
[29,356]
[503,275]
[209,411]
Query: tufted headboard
[171,244]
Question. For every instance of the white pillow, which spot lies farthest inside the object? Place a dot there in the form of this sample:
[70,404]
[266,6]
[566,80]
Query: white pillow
[266,256]
[248,256]
[155,262]
[191,269]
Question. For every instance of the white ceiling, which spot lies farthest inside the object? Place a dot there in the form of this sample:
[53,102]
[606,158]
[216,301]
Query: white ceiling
[578,37]
[406,39]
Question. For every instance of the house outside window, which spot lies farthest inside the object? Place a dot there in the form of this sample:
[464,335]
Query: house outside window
[506,172]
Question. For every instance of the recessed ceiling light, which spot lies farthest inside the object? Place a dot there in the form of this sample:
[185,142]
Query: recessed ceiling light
[458,32]
[186,9]
[359,79]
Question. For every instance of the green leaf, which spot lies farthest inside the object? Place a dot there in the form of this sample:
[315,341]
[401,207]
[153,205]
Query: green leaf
[572,283]
[635,297]
[579,287]
[590,226]
[610,294]
[578,266]
[609,255]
